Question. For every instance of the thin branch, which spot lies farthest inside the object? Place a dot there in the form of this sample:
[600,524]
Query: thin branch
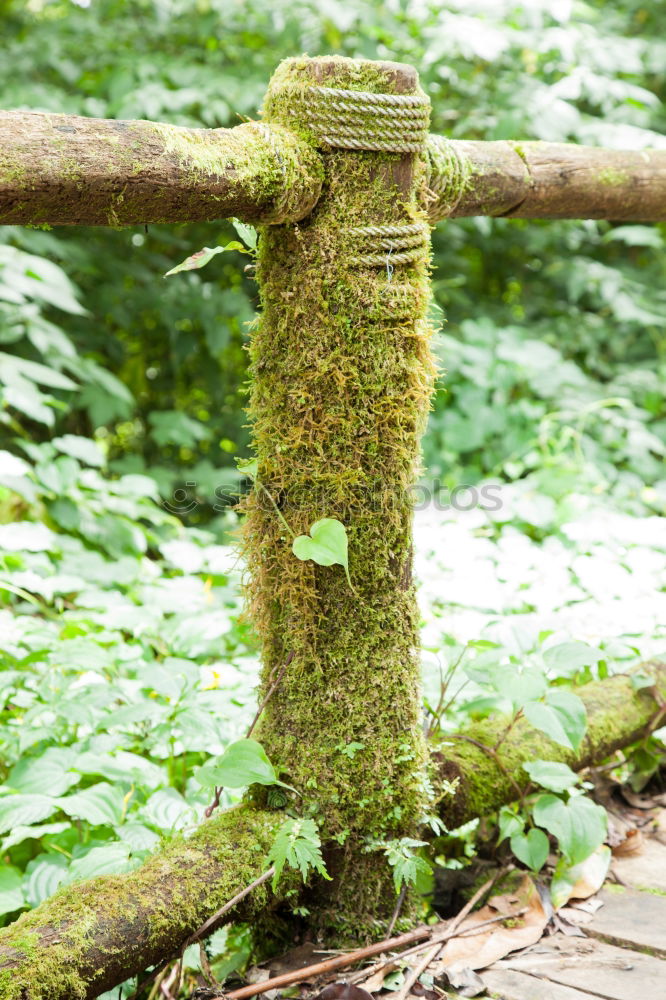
[229,906]
[396,911]
[330,965]
[271,691]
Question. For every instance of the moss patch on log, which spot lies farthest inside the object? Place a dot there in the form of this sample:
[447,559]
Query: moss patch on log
[617,716]
[91,935]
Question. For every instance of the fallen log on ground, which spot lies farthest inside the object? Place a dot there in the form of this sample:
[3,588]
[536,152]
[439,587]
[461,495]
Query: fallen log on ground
[92,936]
[617,716]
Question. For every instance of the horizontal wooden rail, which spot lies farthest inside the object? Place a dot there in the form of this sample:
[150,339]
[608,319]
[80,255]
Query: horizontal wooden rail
[545,180]
[67,170]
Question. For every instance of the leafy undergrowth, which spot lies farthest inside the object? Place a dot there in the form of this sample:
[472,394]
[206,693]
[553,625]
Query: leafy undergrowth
[125,666]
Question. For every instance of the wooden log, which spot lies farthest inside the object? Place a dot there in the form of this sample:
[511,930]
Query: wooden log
[617,715]
[66,170]
[545,180]
[95,934]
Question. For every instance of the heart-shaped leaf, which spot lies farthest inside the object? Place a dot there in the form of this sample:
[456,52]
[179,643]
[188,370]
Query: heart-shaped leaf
[562,717]
[202,257]
[550,774]
[242,763]
[326,545]
[579,824]
[532,849]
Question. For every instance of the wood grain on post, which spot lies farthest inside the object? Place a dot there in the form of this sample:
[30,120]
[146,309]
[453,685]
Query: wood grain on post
[68,170]
[547,180]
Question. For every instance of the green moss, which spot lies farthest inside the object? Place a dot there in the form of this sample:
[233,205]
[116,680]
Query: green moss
[341,382]
[274,166]
[617,716]
[612,177]
[96,933]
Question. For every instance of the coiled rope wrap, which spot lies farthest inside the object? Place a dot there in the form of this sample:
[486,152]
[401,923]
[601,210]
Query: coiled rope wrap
[357,119]
[383,246]
[449,174]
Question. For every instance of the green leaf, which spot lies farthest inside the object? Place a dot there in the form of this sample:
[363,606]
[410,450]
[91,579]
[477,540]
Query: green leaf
[24,810]
[568,657]
[110,859]
[579,880]
[549,774]
[101,804]
[248,234]
[297,844]
[326,544]
[43,876]
[532,849]
[46,775]
[242,763]
[562,717]
[510,823]
[519,688]
[168,810]
[641,681]
[82,448]
[11,890]
[202,257]
[579,824]
[21,833]
[406,863]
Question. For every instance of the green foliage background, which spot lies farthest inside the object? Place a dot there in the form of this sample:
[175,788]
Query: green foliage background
[554,336]
[124,663]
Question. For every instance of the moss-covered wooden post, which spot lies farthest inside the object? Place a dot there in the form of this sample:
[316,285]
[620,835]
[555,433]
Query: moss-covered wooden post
[341,383]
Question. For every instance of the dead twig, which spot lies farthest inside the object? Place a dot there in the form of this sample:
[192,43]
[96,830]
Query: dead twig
[228,906]
[449,931]
[330,965]
[273,685]
[396,912]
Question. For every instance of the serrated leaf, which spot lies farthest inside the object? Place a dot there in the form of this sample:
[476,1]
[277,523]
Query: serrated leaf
[297,844]
[202,257]
[579,824]
[550,774]
[532,849]
[326,544]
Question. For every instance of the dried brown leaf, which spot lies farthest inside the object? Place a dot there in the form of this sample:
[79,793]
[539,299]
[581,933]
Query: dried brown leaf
[480,950]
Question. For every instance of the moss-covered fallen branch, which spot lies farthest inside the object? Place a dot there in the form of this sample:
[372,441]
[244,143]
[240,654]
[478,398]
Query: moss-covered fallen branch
[617,715]
[93,935]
